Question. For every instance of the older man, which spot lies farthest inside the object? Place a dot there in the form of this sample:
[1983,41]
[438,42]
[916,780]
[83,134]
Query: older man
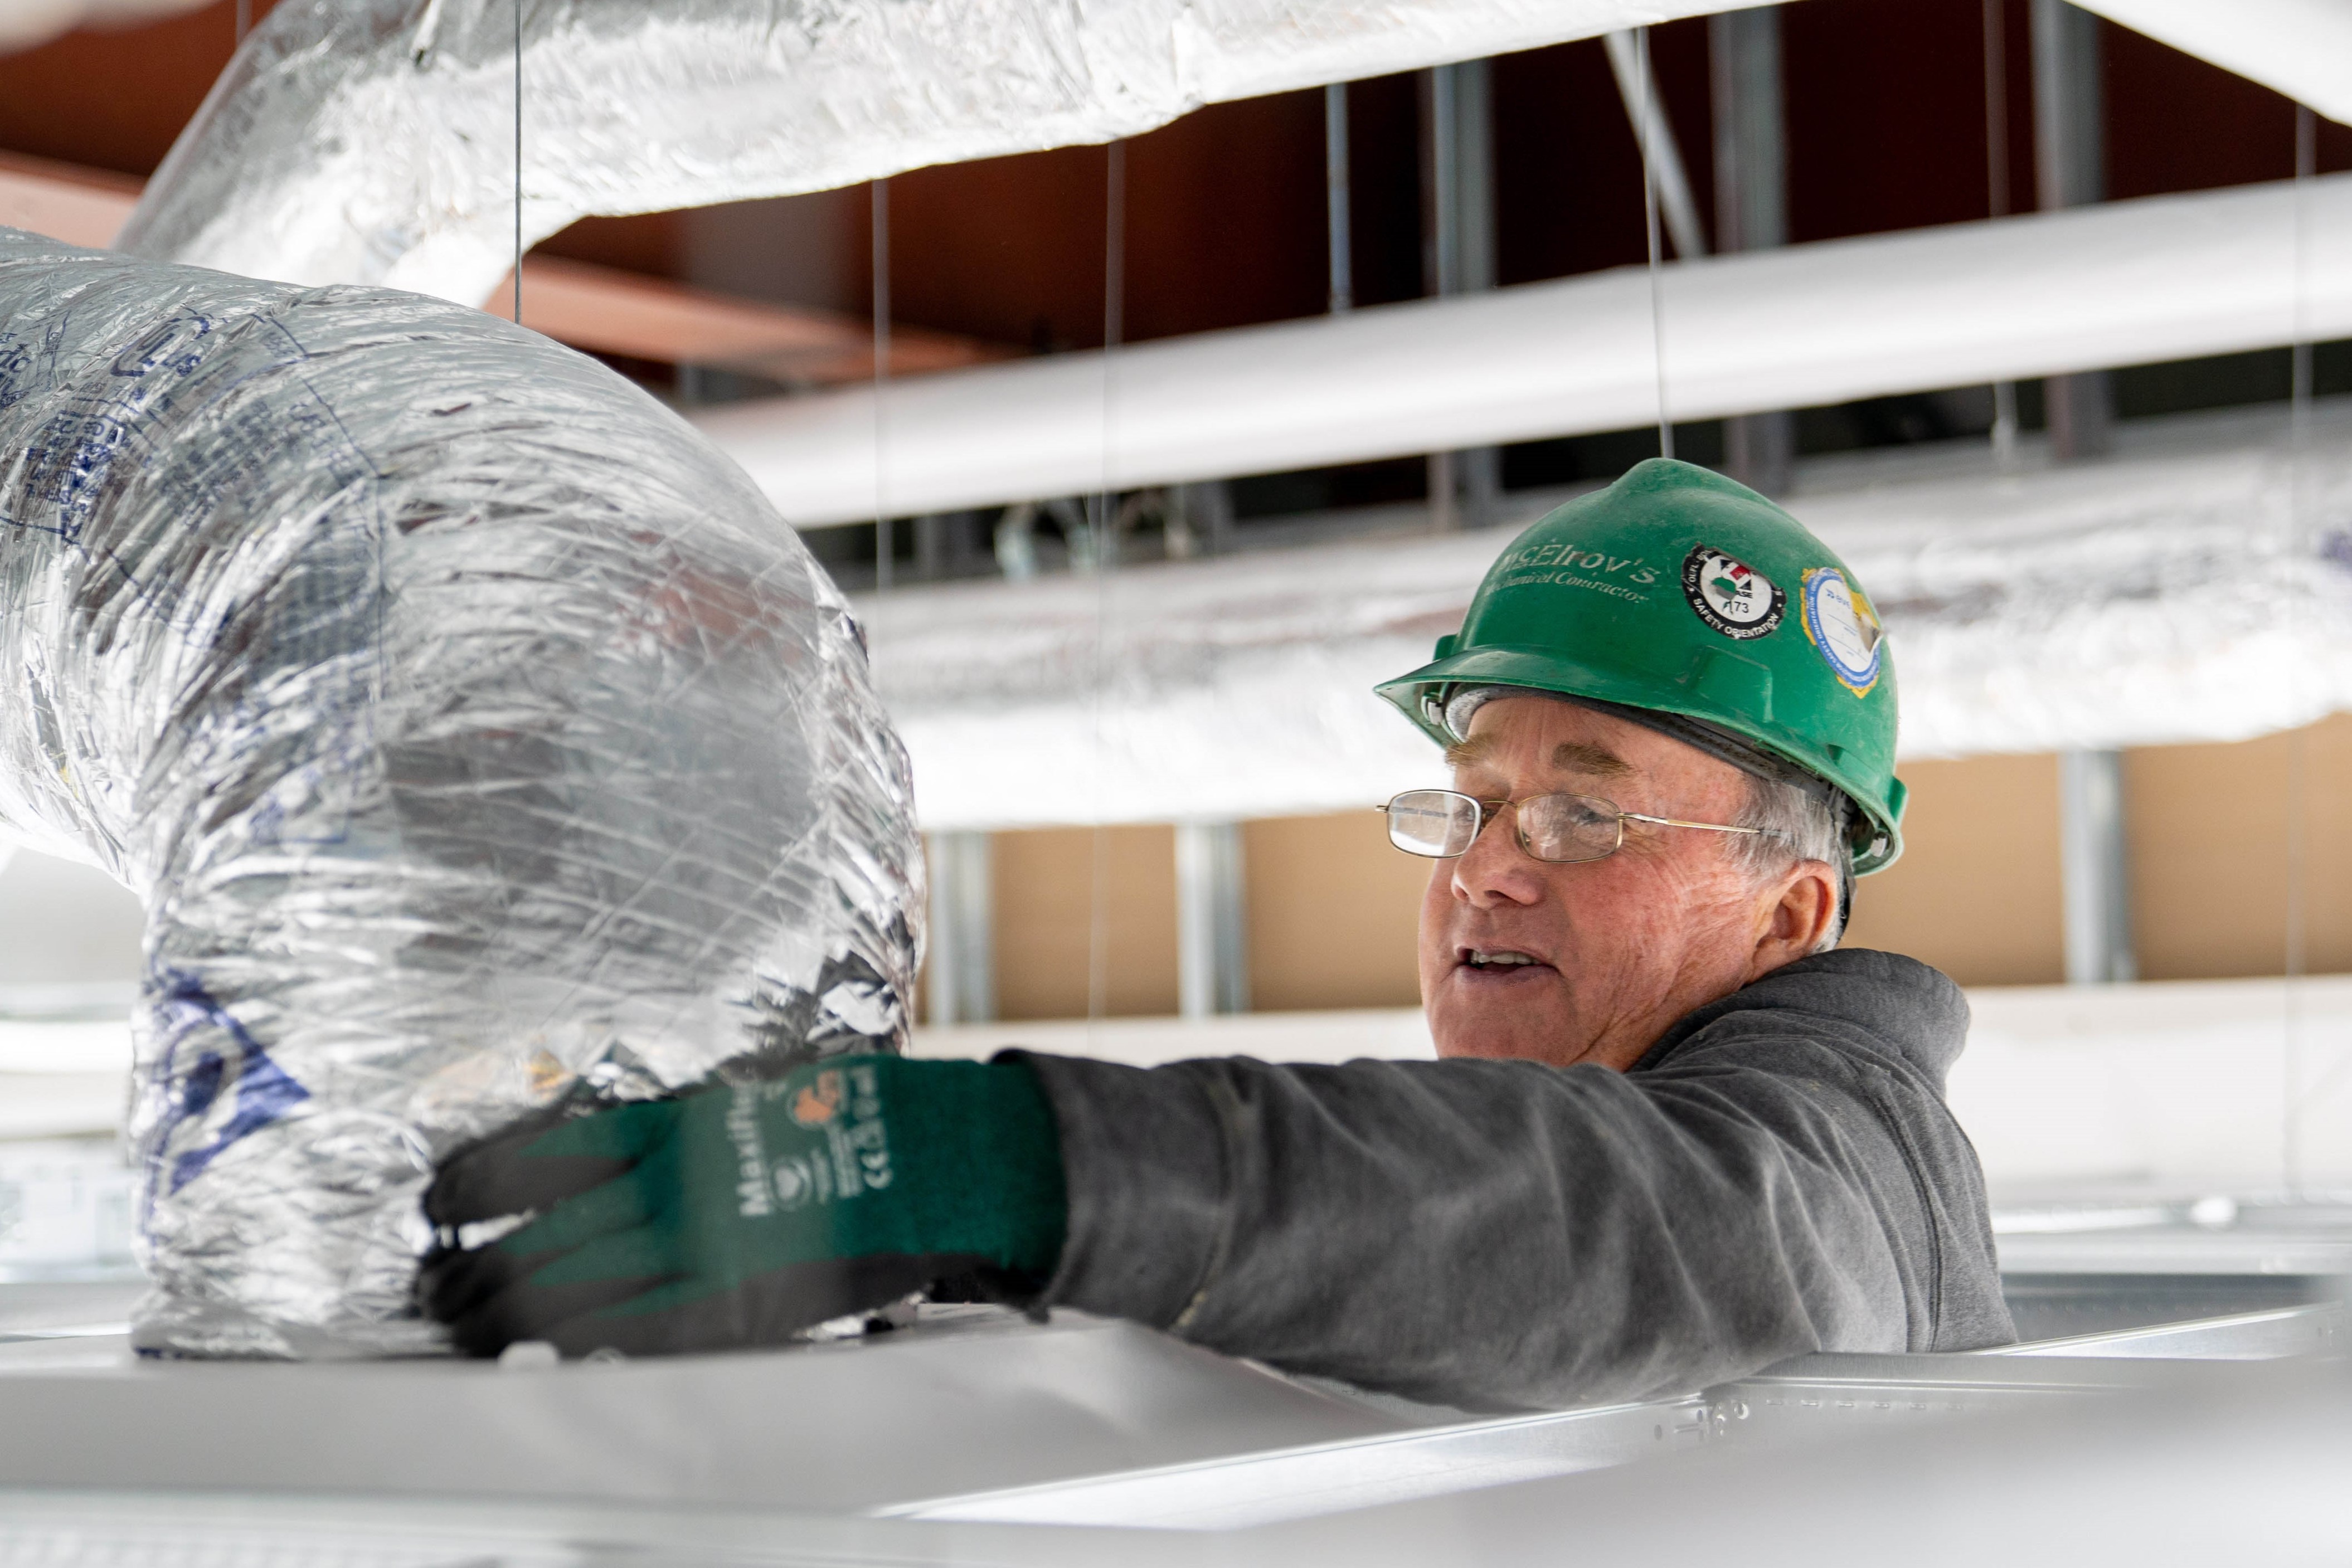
[1674,1137]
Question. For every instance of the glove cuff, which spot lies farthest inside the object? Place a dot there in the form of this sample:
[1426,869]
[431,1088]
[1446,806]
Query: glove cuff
[985,1149]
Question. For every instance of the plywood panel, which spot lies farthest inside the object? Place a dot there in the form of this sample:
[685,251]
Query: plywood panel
[1044,883]
[2216,845]
[1333,913]
[1977,891]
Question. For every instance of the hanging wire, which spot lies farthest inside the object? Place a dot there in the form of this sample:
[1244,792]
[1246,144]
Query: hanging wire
[518,162]
[1996,113]
[1105,554]
[1642,126]
[2293,1101]
[885,537]
[243,19]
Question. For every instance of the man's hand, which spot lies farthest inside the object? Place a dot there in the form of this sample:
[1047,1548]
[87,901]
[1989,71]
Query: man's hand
[736,1215]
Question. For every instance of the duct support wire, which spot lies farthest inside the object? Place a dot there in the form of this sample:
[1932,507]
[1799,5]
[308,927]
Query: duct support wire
[1669,198]
[476,736]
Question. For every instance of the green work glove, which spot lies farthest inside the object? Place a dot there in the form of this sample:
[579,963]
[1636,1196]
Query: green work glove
[736,1215]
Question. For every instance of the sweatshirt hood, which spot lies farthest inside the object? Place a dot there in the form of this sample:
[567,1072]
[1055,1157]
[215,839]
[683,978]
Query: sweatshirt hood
[1914,1011]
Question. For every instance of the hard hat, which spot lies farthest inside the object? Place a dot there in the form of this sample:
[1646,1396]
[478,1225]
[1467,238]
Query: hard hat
[1678,592]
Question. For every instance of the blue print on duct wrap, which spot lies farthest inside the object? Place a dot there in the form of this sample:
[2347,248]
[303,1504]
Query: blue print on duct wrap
[232,1091]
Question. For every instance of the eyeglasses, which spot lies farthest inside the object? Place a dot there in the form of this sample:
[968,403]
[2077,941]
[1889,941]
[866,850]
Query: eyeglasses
[1444,823]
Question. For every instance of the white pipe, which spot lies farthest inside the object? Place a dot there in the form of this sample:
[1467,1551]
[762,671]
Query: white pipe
[2127,282]
[2299,47]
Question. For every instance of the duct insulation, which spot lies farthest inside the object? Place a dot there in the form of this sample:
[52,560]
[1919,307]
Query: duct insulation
[2195,587]
[476,736]
[375,140]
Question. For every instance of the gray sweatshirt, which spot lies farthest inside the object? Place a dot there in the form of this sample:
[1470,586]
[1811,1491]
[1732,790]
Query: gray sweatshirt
[1777,1175]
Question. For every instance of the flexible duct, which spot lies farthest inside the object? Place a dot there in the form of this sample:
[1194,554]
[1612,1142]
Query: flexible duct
[2126,283]
[373,141]
[2192,588]
[476,735]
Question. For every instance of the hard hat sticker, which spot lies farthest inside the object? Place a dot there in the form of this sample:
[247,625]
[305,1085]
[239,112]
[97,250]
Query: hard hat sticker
[1730,595]
[1841,625]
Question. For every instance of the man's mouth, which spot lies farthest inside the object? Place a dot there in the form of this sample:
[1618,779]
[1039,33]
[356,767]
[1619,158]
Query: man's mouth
[1499,960]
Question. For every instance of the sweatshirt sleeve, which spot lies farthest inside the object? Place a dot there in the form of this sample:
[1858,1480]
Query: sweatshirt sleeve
[1496,1234]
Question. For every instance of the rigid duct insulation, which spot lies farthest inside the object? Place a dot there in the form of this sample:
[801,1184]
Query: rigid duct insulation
[373,141]
[476,736]
[2195,586]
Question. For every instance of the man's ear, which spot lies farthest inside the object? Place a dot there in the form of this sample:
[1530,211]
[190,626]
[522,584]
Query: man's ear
[1798,913]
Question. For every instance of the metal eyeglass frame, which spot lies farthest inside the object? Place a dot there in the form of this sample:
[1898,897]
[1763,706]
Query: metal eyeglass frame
[1490,810]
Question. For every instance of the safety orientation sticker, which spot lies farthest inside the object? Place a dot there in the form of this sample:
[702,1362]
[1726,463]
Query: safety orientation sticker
[1842,626]
[1730,595]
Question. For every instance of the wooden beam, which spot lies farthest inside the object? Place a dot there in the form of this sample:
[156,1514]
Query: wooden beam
[599,308]
[79,206]
[611,312]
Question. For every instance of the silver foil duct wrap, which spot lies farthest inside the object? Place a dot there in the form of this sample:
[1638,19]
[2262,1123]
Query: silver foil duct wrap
[476,736]
[373,141]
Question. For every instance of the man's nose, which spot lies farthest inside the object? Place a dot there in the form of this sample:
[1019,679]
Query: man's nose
[1495,868]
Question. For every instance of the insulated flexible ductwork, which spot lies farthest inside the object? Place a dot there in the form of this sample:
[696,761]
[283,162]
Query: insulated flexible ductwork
[476,734]
[373,141]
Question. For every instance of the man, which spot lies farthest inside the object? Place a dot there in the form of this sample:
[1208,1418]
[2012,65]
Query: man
[1675,1135]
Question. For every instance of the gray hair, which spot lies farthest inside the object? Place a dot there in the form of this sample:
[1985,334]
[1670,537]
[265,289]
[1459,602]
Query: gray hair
[1798,823]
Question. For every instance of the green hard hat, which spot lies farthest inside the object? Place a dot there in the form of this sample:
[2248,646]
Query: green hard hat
[1679,591]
